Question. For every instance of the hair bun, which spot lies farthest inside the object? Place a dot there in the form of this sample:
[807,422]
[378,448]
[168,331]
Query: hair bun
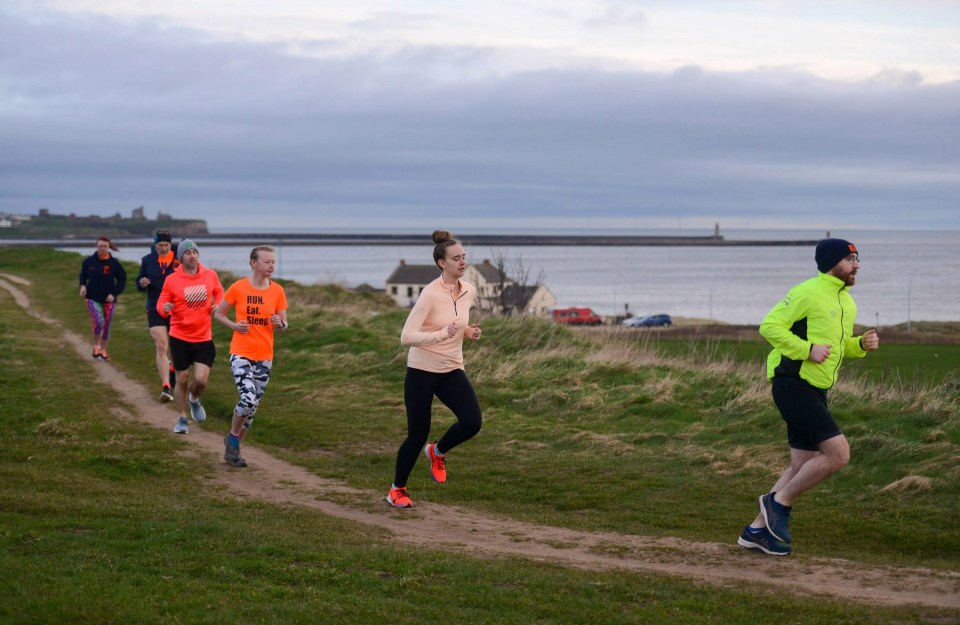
[439,236]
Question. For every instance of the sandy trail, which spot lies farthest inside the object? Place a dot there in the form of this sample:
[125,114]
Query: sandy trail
[433,525]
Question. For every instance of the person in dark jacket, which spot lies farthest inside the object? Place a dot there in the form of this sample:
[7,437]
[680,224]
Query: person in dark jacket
[154,269]
[102,279]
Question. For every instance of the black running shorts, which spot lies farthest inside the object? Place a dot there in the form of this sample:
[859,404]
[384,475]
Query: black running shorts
[156,319]
[184,353]
[804,408]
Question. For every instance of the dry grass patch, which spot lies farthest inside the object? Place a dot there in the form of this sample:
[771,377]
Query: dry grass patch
[916,483]
[590,401]
[56,430]
[914,395]
[662,389]
[936,435]
[756,396]
[610,444]
[515,445]
[768,459]
[506,370]
[610,353]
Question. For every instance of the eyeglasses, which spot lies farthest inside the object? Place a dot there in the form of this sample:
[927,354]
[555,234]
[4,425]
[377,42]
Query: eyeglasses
[852,258]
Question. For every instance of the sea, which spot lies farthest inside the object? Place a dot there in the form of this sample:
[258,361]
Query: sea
[904,276]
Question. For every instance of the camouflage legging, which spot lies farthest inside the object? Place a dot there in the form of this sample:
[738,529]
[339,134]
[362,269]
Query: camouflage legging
[251,377]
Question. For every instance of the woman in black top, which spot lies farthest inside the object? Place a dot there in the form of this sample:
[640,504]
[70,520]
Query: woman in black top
[102,279]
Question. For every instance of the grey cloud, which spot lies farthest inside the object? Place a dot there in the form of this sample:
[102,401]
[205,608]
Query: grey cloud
[108,114]
[619,13]
[896,76]
[393,20]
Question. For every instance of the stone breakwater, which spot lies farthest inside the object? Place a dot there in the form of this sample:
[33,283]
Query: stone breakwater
[504,240]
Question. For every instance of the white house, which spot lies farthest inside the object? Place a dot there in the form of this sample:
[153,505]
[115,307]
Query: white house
[406,282]
[496,292]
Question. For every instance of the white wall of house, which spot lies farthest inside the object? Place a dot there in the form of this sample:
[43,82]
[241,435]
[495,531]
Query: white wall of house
[541,301]
[405,294]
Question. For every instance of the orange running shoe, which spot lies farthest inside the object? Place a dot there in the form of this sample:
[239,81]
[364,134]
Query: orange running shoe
[438,470]
[398,498]
[96,352]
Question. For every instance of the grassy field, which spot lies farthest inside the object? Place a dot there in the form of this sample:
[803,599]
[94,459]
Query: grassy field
[103,521]
[895,364]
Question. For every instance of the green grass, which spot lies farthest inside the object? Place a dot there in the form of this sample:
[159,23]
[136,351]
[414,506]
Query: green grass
[892,364]
[105,521]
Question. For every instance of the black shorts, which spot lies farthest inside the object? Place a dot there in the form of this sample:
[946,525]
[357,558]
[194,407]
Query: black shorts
[155,319]
[184,353]
[804,408]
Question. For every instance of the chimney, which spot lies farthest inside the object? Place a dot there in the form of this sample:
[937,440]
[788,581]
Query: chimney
[486,261]
[402,262]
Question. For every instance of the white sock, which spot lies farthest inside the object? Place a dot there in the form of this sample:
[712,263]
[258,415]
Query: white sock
[190,397]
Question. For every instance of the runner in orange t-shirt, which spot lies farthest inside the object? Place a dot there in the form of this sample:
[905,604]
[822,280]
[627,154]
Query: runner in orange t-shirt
[188,297]
[260,306]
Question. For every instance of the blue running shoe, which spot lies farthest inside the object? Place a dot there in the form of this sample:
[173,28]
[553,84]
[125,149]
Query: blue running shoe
[763,540]
[181,426]
[231,452]
[776,516]
[197,413]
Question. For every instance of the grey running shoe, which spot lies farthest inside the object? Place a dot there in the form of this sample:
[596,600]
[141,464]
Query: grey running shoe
[196,411]
[231,452]
[181,426]
[763,540]
[166,394]
[776,516]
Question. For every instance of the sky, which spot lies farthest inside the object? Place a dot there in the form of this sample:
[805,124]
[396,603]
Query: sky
[485,116]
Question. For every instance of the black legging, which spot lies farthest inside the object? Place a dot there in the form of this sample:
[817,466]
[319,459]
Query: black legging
[455,391]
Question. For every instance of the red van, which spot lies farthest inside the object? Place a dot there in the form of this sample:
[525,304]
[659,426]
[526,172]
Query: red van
[576,316]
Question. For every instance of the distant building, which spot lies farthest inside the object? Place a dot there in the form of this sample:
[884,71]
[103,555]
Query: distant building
[489,281]
[367,288]
[5,223]
[496,292]
[406,282]
[138,213]
[527,299]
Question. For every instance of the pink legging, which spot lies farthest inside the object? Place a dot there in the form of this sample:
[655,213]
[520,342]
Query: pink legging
[102,316]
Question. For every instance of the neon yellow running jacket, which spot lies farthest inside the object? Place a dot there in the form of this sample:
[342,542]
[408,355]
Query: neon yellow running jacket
[819,311]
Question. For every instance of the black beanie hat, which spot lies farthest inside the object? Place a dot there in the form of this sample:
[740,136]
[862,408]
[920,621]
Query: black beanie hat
[832,251]
[162,235]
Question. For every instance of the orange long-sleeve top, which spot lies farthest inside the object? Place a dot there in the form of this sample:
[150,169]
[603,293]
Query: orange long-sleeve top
[194,298]
[425,331]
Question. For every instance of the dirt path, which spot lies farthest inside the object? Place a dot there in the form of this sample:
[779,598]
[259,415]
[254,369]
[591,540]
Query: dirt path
[280,482]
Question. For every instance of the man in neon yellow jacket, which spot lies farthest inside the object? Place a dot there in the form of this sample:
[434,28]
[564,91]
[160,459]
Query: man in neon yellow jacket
[811,331]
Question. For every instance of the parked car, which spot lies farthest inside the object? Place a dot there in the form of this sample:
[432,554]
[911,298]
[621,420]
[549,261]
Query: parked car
[576,316]
[648,321]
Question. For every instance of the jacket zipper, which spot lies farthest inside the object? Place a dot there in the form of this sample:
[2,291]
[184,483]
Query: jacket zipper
[462,293]
[836,369]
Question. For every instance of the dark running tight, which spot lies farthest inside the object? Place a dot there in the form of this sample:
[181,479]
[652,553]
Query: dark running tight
[456,393]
